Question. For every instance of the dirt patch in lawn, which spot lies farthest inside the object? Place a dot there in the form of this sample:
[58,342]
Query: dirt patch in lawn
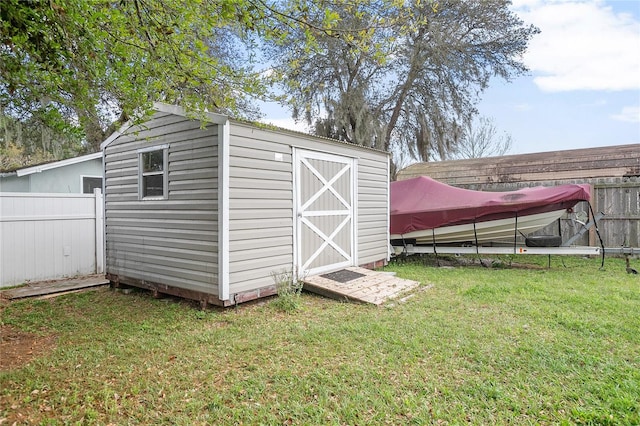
[18,348]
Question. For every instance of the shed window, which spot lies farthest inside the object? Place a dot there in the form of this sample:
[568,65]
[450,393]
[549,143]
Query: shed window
[153,173]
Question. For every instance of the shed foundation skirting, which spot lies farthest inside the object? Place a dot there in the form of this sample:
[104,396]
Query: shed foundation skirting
[250,295]
[158,289]
[375,265]
[205,299]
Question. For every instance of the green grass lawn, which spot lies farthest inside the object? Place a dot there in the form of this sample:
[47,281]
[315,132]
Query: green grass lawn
[473,345]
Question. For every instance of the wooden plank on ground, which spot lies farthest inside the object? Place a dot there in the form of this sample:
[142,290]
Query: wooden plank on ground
[43,288]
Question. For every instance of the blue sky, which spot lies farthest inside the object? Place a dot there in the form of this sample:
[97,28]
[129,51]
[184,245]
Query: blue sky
[584,84]
[583,88]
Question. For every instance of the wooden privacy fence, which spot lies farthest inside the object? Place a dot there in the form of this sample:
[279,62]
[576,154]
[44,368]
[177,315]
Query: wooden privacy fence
[50,236]
[619,199]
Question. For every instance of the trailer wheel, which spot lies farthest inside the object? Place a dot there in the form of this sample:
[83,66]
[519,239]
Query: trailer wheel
[543,241]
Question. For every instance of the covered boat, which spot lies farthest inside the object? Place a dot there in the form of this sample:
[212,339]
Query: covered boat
[431,212]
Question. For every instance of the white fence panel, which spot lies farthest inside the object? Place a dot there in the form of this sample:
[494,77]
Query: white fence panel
[49,236]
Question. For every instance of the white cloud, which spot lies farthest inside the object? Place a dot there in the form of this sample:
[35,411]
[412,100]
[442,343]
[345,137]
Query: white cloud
[583,45]
[630,114]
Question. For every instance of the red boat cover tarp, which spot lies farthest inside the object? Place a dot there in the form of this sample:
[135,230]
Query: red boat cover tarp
[423,203]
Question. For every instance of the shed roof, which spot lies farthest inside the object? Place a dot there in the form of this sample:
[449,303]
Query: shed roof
[222,119]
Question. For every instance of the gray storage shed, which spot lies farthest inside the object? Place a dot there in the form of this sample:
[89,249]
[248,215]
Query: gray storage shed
[211,210]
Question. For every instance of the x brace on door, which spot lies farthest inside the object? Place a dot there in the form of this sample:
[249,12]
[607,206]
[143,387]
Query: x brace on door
[344,212]
[326,185]
[327,240]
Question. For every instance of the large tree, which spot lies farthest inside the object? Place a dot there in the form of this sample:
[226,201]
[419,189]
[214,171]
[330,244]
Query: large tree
[27,142]
[481,139]
[92,64]
[400,75]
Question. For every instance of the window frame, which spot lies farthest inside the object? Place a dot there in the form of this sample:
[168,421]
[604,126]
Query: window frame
[164,172]
[82,177]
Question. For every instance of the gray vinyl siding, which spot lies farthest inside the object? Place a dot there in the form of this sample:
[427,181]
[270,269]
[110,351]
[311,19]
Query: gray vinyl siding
[261,202]
[373,213]
[172,241]
[260,208]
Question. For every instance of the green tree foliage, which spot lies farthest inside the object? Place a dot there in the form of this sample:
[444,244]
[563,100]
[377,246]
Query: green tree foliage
[402,76]
[383,73]
[92,64]
[13,157]
[28,142]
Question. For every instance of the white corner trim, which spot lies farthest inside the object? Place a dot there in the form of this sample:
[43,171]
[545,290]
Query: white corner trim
[355,200]
[295,157]
[116,134]
[56,164]
[388,218]
[223,210]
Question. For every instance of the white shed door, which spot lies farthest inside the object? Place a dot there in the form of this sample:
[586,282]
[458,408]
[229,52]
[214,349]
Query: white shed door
[324,193]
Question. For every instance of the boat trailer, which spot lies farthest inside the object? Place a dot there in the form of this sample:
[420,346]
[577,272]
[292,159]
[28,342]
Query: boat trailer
[565,249]
[518,250]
